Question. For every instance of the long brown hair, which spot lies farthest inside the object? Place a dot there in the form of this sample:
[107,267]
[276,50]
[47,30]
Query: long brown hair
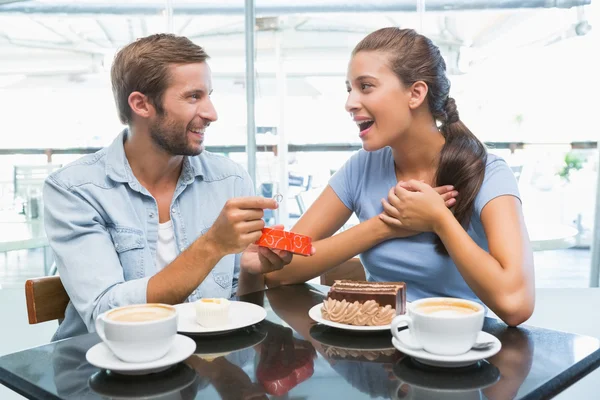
[414,57]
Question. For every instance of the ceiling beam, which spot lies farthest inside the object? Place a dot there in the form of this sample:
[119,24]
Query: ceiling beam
[47,72]
[106,32]
[279,7]
[35,44]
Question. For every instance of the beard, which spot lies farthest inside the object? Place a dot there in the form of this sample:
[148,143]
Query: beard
[171,136]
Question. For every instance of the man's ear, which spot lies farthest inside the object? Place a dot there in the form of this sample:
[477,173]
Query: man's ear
[140,105]
[418,93]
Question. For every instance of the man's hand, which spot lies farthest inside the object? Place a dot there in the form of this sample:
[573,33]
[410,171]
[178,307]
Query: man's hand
[239,224]
[261,260]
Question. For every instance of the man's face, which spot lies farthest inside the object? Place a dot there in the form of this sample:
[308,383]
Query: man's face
[187,110]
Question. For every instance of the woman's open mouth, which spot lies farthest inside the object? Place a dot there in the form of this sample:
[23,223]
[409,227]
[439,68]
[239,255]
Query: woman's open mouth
[364,127]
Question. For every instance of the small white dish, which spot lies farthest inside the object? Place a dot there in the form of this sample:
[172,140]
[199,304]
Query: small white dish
[241,315]
[102,357]
[436,360]
[315,314]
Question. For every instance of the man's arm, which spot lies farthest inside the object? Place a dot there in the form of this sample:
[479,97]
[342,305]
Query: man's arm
[86,258]
[174,283]
[238,225]
[90,268]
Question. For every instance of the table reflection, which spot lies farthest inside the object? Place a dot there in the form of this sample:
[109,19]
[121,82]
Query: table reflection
[271,359]
[420,382]
[179,382]
[514,362]
[75,378]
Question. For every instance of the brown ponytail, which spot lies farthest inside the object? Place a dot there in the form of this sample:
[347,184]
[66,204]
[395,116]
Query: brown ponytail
[413,57]
[462,164]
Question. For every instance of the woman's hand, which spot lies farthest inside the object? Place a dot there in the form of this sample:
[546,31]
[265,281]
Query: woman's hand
[416,206]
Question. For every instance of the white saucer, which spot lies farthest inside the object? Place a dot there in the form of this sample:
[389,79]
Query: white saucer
[102,357]
[315,314]
[437,360]
[241,315]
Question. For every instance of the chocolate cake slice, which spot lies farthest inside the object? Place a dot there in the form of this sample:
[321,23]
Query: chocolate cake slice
[384,293]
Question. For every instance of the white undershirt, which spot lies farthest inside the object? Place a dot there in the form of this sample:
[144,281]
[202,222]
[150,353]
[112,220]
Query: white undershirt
[166,248]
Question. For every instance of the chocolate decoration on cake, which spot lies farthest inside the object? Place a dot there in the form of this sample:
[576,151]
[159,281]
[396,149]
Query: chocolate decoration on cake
[384,293]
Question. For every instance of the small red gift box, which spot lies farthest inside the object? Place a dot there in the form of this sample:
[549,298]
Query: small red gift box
[284,240]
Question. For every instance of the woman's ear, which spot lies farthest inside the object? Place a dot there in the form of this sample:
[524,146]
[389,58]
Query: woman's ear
[140,105]
[418,93]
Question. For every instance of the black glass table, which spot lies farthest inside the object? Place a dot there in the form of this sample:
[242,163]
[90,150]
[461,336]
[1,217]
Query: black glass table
[289,356]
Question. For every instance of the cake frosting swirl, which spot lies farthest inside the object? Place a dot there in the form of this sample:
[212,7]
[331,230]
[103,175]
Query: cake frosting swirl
[369,313]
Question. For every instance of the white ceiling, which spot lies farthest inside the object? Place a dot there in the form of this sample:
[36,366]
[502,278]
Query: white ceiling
[504,61]
[43,41]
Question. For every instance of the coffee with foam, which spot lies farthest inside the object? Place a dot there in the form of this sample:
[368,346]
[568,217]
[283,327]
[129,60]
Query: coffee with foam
[141,313]
[447,309]
[446,326]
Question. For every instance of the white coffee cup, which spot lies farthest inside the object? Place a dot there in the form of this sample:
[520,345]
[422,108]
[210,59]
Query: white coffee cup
[138,333]
[441,325]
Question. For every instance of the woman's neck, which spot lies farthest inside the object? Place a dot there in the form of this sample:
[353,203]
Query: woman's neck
[416,154]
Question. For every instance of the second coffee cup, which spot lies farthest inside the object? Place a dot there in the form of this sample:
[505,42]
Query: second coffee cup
[441,325]
[138,333]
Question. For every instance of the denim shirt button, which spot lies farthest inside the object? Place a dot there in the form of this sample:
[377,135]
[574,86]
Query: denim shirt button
[151,214]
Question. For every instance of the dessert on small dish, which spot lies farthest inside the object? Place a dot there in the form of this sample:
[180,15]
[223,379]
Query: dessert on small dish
[211,312]
[363,303]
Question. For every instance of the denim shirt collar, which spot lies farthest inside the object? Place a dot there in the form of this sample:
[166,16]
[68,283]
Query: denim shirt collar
[119,170]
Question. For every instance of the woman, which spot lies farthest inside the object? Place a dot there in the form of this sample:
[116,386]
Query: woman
[413,140]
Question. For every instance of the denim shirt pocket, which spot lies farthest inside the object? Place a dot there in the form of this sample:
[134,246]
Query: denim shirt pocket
[129,244]
[219,282]
[222,279]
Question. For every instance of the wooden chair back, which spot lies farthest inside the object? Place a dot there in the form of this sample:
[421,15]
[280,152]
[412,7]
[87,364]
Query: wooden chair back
[47,299]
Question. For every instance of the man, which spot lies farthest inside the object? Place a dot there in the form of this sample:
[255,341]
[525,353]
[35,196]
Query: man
[153,218]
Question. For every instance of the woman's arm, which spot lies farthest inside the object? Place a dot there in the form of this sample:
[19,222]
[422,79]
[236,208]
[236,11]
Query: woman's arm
[503,278]
[325,217]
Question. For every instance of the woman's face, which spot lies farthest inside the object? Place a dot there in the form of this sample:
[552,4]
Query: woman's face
[377,100]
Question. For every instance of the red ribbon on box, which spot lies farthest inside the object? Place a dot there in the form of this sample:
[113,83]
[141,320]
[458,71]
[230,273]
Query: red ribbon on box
[284,240]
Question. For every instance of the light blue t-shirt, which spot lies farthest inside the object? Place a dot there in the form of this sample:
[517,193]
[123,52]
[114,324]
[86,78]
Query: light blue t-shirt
[366,178]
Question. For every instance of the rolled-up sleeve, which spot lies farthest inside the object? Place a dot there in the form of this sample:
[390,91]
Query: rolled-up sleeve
[87,261]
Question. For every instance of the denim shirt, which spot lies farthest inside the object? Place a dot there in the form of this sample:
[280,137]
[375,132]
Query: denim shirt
[102,226]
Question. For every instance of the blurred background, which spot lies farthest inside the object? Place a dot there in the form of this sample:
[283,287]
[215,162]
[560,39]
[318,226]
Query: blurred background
[523,75]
